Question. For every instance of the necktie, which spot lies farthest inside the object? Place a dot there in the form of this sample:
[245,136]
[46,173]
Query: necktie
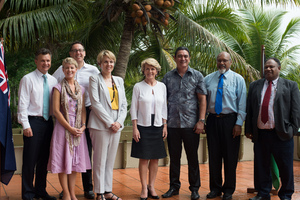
[218,104]
[265,104]
[45,98]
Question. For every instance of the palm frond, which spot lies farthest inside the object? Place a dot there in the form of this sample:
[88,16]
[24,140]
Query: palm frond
[55,21]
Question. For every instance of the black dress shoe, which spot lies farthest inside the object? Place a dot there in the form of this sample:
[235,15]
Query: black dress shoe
[89,195]
[60,196]
[213,194]
[170,192]
[260,198]
[227,197]
[195,195]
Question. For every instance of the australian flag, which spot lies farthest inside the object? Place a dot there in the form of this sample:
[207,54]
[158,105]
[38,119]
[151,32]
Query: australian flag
[8,161]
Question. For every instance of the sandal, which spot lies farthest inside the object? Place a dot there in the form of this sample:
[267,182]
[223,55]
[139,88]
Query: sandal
[100,197]
[112,196]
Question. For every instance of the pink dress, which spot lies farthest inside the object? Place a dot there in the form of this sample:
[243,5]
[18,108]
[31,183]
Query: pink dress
[60,158]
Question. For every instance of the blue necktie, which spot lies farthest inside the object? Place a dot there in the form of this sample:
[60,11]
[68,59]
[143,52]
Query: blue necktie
[218,104]
[45,98]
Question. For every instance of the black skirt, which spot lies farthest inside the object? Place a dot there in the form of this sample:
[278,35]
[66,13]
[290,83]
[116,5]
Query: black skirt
[150,145]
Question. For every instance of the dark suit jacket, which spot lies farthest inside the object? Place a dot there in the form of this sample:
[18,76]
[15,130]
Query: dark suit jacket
[286,108]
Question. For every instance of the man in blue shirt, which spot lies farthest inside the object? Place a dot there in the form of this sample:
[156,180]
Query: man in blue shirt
[226,105]
[186,94]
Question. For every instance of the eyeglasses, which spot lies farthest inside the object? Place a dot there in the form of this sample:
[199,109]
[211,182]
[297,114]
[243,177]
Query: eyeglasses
[77,50]
[224,61]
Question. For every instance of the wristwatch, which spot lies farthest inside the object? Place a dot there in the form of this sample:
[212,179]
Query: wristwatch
[202,120]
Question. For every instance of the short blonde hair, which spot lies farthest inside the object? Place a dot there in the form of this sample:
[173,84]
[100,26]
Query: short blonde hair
[152,62]
[107,53]
[70,61]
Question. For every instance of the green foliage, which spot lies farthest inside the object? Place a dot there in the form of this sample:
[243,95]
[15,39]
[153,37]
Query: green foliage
[18,64]
[31,23]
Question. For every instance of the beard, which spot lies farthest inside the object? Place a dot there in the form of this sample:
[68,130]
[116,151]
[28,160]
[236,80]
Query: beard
[222,71]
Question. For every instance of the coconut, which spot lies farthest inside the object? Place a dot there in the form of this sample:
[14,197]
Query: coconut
[166,22]
[139,13]
[135,7]
[167,4]
[159,2]
[147,7]
[138,20]
[172,3]
[149,14]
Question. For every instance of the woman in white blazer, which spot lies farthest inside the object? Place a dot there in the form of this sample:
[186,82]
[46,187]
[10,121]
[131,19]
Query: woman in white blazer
[109,109]
[149,116]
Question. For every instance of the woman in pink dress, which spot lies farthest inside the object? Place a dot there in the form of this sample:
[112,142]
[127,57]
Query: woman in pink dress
[68,150]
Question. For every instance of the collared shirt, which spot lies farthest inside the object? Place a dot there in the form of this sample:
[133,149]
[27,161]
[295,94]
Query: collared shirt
[271,122]
[234,94]
[31,96]
[142,101]
[82,77]
[183,107]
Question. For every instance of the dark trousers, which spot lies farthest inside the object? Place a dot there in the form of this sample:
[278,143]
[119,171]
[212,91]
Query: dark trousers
[283,151]
[87,180]
[222,146]
[35,157]
[191,143]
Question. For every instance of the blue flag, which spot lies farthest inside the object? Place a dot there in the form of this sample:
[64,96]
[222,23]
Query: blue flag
[8,160]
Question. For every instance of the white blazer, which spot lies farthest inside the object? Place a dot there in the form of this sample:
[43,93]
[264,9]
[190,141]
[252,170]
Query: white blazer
[101,114]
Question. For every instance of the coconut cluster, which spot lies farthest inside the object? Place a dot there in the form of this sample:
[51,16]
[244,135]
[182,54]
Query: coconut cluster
[140,12]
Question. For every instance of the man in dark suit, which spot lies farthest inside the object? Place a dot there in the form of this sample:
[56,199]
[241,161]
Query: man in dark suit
[273,118]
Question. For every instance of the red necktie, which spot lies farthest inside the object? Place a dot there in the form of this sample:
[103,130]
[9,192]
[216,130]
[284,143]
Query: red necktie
[265,104]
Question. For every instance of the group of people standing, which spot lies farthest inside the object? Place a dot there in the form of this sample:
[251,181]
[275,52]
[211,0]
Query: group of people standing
[90,108]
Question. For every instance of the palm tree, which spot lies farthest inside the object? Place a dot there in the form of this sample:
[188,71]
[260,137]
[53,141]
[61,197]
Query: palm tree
[265,28]
[31,22]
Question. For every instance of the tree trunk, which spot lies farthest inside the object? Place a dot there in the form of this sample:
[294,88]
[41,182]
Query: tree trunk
[1,4]
[125,47]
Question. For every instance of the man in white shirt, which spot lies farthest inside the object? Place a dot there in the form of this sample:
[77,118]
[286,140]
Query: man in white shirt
[33,114]
[84,71]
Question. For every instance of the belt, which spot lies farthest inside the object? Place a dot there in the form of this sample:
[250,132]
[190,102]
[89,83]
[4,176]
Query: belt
[222,115]
[38,117]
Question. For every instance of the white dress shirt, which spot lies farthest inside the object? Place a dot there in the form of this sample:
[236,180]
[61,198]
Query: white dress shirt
[31,96]
[82,76]
[271,122]
[142,102]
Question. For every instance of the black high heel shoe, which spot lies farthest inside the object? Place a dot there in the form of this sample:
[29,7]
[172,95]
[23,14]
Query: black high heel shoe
[151,196]
[144,198]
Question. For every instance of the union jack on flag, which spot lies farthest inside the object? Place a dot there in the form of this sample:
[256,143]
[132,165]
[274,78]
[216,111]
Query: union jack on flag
[3,74]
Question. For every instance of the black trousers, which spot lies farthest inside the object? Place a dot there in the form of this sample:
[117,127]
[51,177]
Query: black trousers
[87,180]
[35,157]
[191,143]
[222,147]
[283,151]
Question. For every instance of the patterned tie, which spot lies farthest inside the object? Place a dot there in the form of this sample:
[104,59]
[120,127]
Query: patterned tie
[265,104]
[45,98]
[218,104]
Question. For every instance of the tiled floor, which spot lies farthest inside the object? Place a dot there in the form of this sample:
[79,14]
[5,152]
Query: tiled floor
[126,183]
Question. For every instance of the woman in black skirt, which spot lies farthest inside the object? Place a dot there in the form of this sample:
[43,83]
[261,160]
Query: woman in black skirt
[149,116]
